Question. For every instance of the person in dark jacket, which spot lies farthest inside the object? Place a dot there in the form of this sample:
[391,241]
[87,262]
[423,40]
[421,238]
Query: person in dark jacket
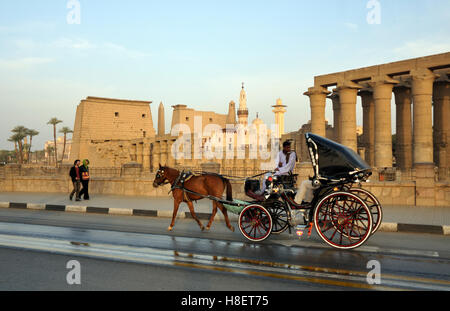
[84,169]
[75,174]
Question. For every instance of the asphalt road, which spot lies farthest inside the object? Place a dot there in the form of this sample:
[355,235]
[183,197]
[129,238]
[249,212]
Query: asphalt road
[137,253]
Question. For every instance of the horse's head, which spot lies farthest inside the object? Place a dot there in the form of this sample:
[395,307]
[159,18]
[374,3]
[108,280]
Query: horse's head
[161,177]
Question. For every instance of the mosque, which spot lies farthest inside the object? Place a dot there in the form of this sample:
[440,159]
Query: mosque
[114,132]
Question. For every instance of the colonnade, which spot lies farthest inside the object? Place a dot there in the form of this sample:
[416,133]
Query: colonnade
[422,101]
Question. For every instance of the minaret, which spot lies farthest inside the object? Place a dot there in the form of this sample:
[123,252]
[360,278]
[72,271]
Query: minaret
[161,121]
[279,116]
[243,111]
[231,117]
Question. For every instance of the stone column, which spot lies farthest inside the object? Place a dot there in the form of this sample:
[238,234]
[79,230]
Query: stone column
[368,137]
[403,101]
[441,132]
[317,97]
[155,156]
[336,115]
[170,157]
[382,95]
[422,91]
[146,156]
[163,152]
[347,96]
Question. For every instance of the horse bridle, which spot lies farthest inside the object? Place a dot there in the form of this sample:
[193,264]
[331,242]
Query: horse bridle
[158,176]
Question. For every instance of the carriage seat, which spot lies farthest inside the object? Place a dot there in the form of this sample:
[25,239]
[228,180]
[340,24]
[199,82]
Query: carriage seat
[257,197]
[251,188]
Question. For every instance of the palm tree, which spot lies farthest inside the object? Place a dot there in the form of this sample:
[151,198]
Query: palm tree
[17,139]
[20,132]
[31,133]
[54,121]
[14,140]
[65,130]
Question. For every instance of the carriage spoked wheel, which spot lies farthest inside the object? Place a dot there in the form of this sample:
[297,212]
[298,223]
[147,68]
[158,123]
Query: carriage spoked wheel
[255,222]
[373,204]
[279,214]
[343,220]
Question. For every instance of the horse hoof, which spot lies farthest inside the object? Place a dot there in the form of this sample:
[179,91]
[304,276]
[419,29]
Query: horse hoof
[203,228]
[170,228]
[208,227]
[231,228]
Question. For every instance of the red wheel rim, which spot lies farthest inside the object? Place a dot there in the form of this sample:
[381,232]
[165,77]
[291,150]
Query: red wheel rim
[343,220]
[373,204]
[255,223]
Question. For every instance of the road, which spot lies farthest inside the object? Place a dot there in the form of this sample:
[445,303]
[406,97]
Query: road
[137,253]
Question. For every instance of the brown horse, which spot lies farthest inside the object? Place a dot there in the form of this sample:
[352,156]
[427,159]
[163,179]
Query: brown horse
[205,184]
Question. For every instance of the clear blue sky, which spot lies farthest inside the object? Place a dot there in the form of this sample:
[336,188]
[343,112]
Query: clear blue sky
[196,53]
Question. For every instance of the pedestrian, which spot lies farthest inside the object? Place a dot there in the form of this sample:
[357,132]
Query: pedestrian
[76,180]
[84,169]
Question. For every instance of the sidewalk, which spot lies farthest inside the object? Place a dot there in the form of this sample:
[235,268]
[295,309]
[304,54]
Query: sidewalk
[395,218]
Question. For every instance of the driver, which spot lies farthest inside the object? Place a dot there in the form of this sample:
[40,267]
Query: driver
[286,163]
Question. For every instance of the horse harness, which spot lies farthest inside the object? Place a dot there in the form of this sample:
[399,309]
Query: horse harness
[179,184]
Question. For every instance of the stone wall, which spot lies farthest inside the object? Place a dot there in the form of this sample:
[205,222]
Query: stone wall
[131,180]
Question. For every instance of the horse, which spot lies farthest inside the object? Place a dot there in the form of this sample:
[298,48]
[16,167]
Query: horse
[205,184]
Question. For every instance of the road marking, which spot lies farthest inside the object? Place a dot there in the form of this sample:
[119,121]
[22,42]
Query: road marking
[446,230]
[146,255]
[120,211]
[168,214]
[76,208]
[35,206]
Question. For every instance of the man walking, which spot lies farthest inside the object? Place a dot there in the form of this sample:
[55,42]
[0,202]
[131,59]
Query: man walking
[76,180]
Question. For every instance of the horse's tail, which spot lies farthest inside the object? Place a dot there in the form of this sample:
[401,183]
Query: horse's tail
[229,189]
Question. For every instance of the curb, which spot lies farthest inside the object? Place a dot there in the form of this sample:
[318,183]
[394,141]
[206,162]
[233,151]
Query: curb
[384,227]
[110,211]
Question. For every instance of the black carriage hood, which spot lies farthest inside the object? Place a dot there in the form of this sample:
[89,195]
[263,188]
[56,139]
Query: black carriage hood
[335,160]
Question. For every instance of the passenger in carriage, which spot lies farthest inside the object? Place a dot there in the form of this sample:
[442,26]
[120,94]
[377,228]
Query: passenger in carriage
[305,193]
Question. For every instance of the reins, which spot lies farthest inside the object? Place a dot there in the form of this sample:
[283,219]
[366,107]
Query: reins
[231,177]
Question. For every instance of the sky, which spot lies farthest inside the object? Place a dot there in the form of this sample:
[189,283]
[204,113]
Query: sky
[197,53]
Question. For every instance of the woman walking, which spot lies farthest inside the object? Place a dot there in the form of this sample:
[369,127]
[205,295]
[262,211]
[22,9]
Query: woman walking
[84,170]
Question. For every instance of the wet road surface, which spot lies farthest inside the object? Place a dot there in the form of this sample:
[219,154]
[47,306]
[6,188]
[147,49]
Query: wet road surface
[135,251]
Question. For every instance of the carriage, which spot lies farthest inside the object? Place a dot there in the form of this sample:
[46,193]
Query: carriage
[343,214]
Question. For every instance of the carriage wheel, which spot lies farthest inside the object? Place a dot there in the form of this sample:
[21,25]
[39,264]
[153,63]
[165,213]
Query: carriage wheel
[373,204]
[255,222]
[279,214]
[343,220]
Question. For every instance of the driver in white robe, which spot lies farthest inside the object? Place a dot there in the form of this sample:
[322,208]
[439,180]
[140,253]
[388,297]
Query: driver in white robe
[286,163]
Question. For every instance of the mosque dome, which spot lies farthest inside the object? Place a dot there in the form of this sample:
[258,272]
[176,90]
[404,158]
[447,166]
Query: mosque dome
[257,121]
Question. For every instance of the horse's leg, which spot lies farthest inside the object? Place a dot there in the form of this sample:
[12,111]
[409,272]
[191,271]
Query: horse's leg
[176,205]
[213,214]
[191,209]
[225,214]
